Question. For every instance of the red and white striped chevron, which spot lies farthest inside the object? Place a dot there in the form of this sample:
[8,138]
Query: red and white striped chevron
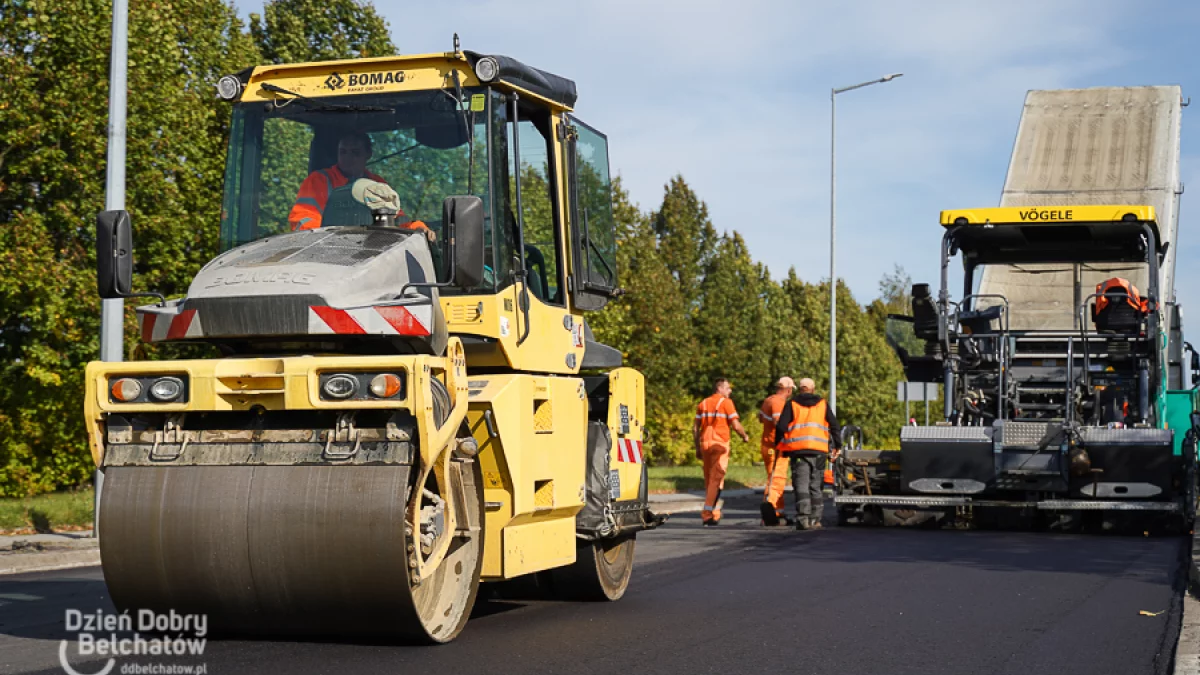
[157,327]
[629,450]
[386,320]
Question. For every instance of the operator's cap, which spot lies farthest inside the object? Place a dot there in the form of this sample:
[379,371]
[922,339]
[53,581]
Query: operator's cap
[785,382]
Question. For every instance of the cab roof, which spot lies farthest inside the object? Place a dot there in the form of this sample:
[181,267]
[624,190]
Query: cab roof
[1033,215]
[1053,233]
[405,73]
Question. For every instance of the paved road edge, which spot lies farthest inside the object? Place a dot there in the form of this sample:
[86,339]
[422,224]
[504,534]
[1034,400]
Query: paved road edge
[1187,649]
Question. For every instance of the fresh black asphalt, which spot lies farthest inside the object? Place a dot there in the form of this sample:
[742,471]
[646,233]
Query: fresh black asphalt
[741,598]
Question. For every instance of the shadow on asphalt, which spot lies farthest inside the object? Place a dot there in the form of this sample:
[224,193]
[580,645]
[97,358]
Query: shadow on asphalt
[36,609]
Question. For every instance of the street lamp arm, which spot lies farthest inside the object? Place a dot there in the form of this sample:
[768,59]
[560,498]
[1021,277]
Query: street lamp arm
[860,85]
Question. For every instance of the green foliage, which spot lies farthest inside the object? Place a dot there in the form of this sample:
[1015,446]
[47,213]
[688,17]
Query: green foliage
[294,31]
[54,61]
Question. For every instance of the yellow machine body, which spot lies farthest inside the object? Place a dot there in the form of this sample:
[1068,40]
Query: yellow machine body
[515,371]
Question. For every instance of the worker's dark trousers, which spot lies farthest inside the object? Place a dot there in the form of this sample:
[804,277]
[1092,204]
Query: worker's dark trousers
[808,472]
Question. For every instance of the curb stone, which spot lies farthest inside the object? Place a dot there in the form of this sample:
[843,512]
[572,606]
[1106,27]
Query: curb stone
[17,563]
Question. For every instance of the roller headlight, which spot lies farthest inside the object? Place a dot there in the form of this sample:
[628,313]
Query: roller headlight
[340,387]
[126,389]
[486,69]
[386,385]
[166,389]
[229,87]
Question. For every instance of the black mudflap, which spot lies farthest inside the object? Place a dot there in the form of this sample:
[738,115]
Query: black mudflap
[599,494]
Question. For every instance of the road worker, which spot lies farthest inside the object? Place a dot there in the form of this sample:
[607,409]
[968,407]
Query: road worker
[806,430]
[354,149]
[776,466]
[710,433]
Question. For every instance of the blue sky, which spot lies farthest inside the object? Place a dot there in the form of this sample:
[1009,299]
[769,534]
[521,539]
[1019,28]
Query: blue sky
[735,97]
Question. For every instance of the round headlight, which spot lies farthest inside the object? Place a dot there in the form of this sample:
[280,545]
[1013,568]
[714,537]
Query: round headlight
[486,69]
[126,389]
[340,386]
[166,389]
[386,385]
[229,87]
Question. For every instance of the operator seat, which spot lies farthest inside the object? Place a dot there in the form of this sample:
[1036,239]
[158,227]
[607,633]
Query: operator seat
[925,316]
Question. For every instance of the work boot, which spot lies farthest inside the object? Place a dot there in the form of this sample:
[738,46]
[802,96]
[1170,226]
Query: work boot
[712,523]
[801,523]
[769,517]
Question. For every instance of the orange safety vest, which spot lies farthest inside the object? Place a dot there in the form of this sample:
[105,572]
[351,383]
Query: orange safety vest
[808,431]
[714,414]
[314,195]
[1118,284]
[769,416]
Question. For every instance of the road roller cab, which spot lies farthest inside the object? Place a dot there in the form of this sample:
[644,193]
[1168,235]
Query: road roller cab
[407,400]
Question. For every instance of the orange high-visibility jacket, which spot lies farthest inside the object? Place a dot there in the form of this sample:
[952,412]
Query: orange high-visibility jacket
[769,416]
[714,414]
[807,430]
[314,195]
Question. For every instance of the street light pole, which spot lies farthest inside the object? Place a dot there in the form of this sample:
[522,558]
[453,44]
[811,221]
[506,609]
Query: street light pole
[112,311]
[833,228]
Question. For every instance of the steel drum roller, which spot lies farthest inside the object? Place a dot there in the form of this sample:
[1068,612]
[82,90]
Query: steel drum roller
[315,549]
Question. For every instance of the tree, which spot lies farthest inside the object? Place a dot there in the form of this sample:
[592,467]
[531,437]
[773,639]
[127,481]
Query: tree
[686,236]
[295,31]
[54,59]
[614,325]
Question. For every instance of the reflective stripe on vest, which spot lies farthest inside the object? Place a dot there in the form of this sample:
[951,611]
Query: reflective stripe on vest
[808,430]
[329,185]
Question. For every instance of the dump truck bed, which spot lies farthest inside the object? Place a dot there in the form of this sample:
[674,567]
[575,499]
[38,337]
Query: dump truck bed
[1105,145]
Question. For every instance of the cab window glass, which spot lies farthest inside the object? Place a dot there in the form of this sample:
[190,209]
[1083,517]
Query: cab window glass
[541,253]
[594,207]
[284,167]
[292,164]
[500,237]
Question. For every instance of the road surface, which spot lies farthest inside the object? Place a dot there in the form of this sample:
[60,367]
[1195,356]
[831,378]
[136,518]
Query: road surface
[742,598]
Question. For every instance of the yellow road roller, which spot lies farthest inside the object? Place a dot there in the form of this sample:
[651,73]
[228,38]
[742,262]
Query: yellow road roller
[403,397]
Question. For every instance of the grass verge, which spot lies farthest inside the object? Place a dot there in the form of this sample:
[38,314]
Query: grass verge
[54,512]
[684,478]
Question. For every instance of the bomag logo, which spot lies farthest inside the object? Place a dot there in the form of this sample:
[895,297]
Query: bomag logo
[334,82]
[367,79]
[1047,214]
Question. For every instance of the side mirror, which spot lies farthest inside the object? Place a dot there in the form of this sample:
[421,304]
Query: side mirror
[1195,362]
[114,255]
[1195,420]
[463,219]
